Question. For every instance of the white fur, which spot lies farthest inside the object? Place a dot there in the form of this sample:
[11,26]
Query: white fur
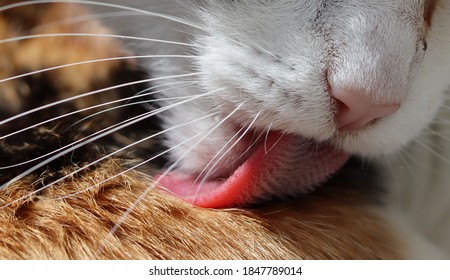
[359,44]
[278,57]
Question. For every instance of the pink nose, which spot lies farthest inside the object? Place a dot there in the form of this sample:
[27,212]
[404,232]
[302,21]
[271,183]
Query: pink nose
[356,109]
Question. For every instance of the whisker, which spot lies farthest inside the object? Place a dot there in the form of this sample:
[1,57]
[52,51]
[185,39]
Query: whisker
[266,138]
[445,106]
[92,93]
[103,104]
[160,154]
[122,37]
[148,189]
[144,12]
[95,136]
[92,115]
[143,102]
[238,42]
[151,91]
[134,167]
[226,152]
[76,19]
[253,143]
[72,144]
[104,158]
[437,154]
[96,3]
[412,158]
[392,171]
[131,104]
[397,189]
[441,120]
[92,61]
[276,142]
[408,166]
[437,133]
[226,144]
[109,131]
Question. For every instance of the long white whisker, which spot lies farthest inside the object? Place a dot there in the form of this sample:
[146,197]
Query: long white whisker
[82,139]
[97,113]
[104,158]
[79,144]
[437,154]
[447,107]
[253,143]
[438,134]
[164,174]
[145,161]
[207,166]
[267,137]
[143,102]
[76,142]
[225,145]
[413,159]
[110,131]
[226,152]
[122,37]
[151,91]
[96,3]
[430,142]
[408,166]
[393,174]
[132,104]
[276,142]
[72,113]
[92,61]
[441,120]
[76,19]
[92,93]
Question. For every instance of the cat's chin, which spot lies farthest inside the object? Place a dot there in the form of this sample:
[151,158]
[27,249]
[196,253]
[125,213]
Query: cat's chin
[378,139]
[282,165]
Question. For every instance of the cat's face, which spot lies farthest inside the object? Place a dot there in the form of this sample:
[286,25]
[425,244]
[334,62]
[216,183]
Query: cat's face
[291,61]
[363,76]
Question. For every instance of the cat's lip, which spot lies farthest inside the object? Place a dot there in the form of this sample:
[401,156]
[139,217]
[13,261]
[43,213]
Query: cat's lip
[292,165]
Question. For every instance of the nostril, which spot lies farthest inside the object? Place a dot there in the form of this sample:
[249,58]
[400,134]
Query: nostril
[355,109]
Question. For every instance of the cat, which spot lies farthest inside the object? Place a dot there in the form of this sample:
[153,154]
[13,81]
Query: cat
[246,91]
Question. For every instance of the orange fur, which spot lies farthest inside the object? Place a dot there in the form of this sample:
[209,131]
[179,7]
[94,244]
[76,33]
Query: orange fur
[34,54]
[334,223]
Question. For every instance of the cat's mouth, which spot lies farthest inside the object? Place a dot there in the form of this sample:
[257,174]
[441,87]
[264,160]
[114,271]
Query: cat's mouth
[281,166]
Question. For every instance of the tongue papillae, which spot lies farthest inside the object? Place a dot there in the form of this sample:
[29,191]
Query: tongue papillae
[282,166]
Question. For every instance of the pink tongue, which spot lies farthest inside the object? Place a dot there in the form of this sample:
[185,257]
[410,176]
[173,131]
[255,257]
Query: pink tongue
[290,167]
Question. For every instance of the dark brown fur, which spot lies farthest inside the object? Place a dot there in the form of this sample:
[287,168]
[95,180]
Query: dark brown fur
[73,219]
